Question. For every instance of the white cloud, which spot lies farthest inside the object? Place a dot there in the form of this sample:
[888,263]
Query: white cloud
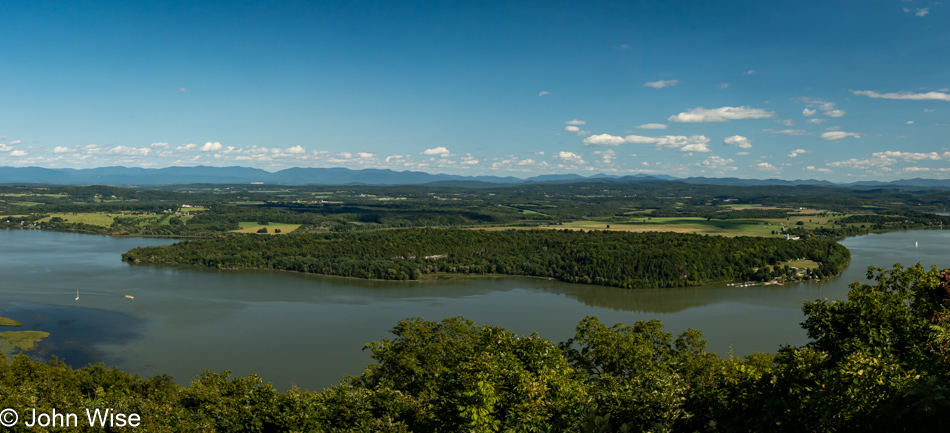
[913,156]
[739,141]
[721,114]
[396,158]
[211,147]
[569,157]
[652,126]
[764,166]
[696,147]
[298,149]
[934,96]
[468,159]
[544,93]
[606,156]
[365,155]
[188,146]
[160,145]
[914,169]
[922,12]
[909,122]
[441,151]
[576,130]
[838,135]
[822,170]
[18,153]
[817,121]
[661,84]
[742,153]
[724,86]
[928,110]
[695,143]
[749,72]
[603,140]
[15,142]
[123,150]
[816,104]
[61,149]
[890,157]
[5,148]
[716,162]
[786,131]
[796,152]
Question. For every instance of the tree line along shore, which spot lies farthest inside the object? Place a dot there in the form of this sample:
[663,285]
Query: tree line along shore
[620,259]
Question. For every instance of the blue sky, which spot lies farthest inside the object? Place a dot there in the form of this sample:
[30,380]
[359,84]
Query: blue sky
[834,90]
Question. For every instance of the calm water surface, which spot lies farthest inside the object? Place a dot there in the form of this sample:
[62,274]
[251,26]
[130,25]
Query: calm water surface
[309,330]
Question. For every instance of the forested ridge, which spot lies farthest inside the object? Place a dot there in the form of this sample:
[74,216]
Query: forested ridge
[877,362]
[621,259]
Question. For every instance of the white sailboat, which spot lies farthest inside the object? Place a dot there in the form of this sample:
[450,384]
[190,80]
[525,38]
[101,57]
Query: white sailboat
[77,294]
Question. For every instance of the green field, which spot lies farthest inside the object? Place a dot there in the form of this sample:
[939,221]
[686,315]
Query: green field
[803,264]
[253,227]
[95,219]
[9,194]
[682,225]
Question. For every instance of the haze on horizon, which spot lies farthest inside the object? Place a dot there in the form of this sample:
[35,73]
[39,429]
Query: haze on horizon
[823,90]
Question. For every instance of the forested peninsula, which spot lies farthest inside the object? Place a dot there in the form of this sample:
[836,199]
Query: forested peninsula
[620,259]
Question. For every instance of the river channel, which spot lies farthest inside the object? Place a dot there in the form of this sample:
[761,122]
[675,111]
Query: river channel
[309,330]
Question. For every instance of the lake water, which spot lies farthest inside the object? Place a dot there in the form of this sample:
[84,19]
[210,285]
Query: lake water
[309,330]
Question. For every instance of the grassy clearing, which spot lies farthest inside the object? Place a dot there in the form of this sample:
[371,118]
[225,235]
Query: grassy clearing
[6,321]
[731,227]
[90,218]
[741,227]
[803,264]
[253,227]
[748,206]
[23,340]
[11,194]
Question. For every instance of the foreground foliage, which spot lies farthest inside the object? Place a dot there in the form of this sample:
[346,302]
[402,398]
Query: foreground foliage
[630,260]
[878,361]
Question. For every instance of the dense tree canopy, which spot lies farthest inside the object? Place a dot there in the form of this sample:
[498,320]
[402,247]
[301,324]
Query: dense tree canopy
[630,260]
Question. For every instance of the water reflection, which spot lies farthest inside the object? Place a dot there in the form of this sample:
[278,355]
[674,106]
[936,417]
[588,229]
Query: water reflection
[309,329]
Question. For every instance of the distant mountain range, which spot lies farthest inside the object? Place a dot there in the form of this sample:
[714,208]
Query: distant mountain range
[127,176]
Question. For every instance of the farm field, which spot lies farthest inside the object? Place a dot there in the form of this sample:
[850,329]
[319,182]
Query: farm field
[743,227]
[90,218]
[253,227]
[762,227]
